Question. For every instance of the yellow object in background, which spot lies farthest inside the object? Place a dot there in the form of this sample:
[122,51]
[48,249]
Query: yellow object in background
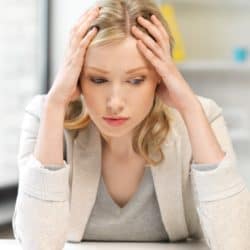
[169,14]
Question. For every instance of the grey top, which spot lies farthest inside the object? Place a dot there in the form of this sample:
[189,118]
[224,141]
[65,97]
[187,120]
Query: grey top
[138,220]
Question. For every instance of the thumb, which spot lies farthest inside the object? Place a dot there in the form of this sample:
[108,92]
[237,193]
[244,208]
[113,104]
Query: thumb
[76,94]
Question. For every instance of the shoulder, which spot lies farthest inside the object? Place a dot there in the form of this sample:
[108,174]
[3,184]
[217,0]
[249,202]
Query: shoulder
[178,127]
[35,105]
[34,110]
[211,109]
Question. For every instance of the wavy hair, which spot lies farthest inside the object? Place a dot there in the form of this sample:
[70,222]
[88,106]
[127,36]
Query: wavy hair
[114,22]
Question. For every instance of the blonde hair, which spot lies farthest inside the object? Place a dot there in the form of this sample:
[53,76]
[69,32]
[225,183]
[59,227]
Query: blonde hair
[115,21]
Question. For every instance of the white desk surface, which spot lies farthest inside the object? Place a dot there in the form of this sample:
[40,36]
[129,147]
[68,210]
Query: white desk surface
[10,244]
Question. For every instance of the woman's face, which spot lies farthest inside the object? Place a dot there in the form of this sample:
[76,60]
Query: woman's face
[110,90]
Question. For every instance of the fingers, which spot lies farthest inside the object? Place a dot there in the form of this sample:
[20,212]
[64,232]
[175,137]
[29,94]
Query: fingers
[81,27]
[148,41]
[79,53]
[80,31]
[155,61]
[157,22]
[83,16]
[152,30]
[86,15]
[82,46]
[87,39]
[86,25]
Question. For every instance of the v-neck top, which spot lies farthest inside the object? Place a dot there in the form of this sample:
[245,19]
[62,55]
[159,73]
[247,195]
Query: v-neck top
[138,220]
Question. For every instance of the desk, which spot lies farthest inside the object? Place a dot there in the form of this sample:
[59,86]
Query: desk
[90,245]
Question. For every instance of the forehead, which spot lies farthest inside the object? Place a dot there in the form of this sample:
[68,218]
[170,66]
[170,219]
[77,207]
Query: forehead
[123,55]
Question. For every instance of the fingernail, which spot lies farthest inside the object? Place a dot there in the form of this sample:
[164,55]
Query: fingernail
[96,27]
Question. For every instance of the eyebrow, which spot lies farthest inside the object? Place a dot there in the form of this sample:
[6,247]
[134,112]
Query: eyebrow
[127,72]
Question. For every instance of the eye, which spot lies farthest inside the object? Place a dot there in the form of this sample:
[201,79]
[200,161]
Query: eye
[97,80]
[137,81]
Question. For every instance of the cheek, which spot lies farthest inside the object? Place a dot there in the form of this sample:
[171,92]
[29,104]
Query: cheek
[92,97]
[143,99]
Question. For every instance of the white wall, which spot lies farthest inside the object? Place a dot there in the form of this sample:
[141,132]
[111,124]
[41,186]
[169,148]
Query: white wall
[18,78]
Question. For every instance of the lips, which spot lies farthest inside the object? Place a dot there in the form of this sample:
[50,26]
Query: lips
[115,122]
[116,118]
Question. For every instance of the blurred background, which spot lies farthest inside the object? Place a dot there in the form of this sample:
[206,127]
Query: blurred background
[212,51]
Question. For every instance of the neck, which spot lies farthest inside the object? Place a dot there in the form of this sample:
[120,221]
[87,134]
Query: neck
[120,148]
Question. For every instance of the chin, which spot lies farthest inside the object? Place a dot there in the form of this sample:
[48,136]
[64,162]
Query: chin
[111,131]
[115,132]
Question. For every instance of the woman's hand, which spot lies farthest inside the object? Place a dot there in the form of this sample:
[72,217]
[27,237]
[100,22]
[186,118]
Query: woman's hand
[66,87]
[173,90]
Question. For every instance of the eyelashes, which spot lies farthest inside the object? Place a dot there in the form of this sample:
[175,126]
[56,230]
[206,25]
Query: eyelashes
[99,80]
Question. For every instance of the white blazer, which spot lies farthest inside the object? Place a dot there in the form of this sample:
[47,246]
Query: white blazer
[195,200]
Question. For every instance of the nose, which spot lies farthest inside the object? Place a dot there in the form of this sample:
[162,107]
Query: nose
[115,104]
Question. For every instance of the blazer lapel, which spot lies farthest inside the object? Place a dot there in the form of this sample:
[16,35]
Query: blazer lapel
[86,167]
[168,188]
[86,173]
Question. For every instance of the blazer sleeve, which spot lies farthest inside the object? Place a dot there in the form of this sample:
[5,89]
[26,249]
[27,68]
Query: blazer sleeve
[41,214]
[221,195]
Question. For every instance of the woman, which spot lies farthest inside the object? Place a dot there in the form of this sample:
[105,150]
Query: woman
[145,158]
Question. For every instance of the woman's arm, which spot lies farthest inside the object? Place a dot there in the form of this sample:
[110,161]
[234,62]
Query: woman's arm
[49,144]
[41,213]
[205,147]
[222,199]
[221,195]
